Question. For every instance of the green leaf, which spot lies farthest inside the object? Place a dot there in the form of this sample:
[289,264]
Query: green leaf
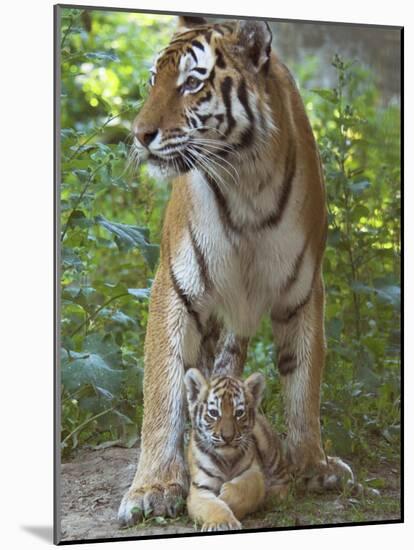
[392,433]
[376,482]
[361,288]
[360,211]
[359,186]
[106,56]
[105,346]
[70,260]
[328,95]
[95,364]
[78,218]
[71,291]
[123,418]
[390,294]
[334,237]
[110,290]
[334,328]
[140,293]
[83,175]
[132,236]
[367,376]
[105,393]
[123,319]
[340,437]
[89,368]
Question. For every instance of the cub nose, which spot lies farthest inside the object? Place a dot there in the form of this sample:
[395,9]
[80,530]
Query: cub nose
[146,135]
[227,436]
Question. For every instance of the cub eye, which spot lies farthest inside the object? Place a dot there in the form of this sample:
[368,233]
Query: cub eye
[239,413]
[192,83]
[151,80]
[213,413]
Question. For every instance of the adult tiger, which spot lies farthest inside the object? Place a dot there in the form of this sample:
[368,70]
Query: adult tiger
[244,236]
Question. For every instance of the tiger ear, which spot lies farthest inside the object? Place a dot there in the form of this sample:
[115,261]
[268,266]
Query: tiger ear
[194,382]
[255,38]
[188,22]
[256,385]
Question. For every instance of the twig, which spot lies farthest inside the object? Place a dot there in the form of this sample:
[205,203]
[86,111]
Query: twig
[82,194]
[85,423]
[95,313]
[95,133]
[69,28]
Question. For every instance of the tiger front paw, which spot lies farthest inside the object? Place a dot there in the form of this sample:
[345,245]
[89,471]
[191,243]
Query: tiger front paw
[334,475]
[229,524]
[156,499]
[230,494]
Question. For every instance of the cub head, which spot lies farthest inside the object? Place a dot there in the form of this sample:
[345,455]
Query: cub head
[206,98]
[223,409]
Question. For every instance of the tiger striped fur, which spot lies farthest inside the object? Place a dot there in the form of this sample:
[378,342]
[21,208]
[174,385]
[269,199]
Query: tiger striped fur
[244,236]
[234,456]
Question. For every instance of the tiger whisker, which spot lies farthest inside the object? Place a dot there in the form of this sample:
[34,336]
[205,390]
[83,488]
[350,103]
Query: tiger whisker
[206,164]
[133,159]
[216,145]
[222,160]
[216,163]
[223,144]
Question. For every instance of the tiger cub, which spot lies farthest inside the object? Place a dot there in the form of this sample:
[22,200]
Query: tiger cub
[234,456]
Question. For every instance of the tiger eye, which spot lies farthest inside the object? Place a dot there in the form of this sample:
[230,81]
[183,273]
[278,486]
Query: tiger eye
[192,82]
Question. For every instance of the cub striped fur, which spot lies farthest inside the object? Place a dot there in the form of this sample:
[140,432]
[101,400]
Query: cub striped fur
[234,456]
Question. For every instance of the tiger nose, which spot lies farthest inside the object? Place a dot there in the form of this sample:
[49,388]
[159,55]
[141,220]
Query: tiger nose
[146,135]
[227,435]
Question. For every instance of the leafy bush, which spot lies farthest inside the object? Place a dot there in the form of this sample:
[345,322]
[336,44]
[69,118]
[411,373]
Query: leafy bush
[107,220]
[110,232]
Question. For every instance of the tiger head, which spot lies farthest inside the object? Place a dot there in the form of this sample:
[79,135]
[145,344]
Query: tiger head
[207,96]
[223,409]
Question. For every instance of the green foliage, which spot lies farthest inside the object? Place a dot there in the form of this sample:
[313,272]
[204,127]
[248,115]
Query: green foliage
[110,232]
[108,221]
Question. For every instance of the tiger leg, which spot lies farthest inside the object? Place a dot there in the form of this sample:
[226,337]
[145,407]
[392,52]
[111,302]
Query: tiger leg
[300,337]
[172,342]
[208,346]
[231,355]
[212,512]
[244,494]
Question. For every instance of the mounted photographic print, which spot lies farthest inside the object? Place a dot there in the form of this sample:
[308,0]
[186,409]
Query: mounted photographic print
[228,263]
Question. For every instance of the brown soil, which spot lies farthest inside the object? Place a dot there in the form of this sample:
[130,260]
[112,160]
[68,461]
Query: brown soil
[93,483]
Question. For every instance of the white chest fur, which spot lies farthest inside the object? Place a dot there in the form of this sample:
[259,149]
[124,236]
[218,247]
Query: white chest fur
[249,270]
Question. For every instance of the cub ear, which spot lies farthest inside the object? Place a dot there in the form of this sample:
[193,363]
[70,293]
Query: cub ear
[256,385]
[188,22]
[194,382]
[255,38]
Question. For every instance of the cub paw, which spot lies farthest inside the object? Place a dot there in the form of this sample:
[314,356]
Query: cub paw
[229,494]
[220,518]
[156,499]
[229,525]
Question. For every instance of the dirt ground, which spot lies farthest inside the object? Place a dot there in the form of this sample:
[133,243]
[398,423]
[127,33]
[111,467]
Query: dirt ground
[92,485]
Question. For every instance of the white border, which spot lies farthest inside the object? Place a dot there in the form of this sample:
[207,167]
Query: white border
[26,229]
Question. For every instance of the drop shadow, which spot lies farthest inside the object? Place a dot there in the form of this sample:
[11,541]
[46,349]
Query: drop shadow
[43,532]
